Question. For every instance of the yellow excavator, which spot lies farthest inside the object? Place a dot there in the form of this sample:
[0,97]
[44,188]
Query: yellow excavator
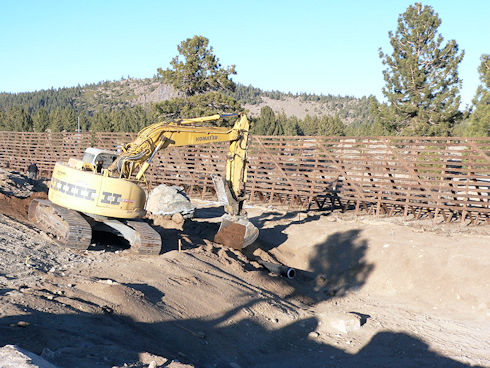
[103,191]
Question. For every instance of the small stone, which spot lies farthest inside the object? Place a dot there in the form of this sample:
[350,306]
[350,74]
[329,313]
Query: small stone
[346,324]
[23,324]
[201,334]
[313,335]
[334,321]
[235,365]
[108,282]
[148,358]
[152,364]
[178,218]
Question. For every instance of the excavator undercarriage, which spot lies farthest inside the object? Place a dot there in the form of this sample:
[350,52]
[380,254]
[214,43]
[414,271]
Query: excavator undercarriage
[73,229]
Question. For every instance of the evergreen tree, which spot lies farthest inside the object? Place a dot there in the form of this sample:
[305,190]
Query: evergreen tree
[56,120]
[140,118]
[309,125]
[267,124]
[480,119]
[199,71]
[290,125]
[2,120]
[331,125]
[422,83]
[69,120]
[198,105]
[101,122]
[41,120]
[84,121]
[18,119]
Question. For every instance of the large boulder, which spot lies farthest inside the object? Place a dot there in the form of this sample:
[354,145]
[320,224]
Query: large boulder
[11,356]
[169,200]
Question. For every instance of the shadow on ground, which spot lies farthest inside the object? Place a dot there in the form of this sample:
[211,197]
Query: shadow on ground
[335,267]
[338,264]
[91,340]
[273,237]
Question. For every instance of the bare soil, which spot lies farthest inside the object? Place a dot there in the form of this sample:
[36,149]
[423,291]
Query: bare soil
[419,293]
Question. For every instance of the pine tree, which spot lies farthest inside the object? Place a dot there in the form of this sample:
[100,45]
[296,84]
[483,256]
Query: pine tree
[331,125]
[290,125]
[101,122]
[200,71]
[2,120]
[84,121]
[309,125]
[18,119]
[41,120]
[56,120]
[480,119]
[422,83]
[198,105]
[267,124]
[69,120]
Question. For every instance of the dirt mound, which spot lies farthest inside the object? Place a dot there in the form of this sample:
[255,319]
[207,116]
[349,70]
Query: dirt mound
[16,193]
[18,208]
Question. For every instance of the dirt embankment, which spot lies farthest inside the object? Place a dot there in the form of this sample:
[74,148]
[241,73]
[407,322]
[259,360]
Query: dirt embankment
[16,193]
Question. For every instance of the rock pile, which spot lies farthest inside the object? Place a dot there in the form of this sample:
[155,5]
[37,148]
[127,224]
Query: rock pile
[13,183]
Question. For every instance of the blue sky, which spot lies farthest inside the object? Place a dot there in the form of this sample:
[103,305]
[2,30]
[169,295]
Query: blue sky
[323,47]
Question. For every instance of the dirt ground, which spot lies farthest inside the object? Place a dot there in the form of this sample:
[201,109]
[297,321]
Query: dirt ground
[369,292]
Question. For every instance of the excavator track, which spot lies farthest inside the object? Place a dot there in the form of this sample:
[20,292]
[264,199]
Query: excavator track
[69,228]
[147,240]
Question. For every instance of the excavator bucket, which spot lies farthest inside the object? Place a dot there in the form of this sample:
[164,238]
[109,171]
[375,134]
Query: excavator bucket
[236,232]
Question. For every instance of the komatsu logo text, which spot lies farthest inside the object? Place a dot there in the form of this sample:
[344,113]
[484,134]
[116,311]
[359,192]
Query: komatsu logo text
[207,138]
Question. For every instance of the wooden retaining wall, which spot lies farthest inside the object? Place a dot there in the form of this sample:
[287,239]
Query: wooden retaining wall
[446,178]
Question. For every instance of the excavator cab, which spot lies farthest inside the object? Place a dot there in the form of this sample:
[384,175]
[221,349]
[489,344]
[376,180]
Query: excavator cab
[97,156]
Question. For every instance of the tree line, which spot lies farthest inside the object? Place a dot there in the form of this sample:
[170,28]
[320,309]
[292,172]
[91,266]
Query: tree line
[129,119]
[133,119]
[421,92]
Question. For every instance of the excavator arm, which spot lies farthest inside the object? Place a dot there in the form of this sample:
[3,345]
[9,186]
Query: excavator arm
[138,154]
[235,230]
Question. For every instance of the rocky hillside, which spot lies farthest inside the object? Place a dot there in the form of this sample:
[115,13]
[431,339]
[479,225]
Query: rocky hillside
[111,95]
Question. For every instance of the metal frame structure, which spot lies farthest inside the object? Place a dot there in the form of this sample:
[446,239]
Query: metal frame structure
[435,177]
